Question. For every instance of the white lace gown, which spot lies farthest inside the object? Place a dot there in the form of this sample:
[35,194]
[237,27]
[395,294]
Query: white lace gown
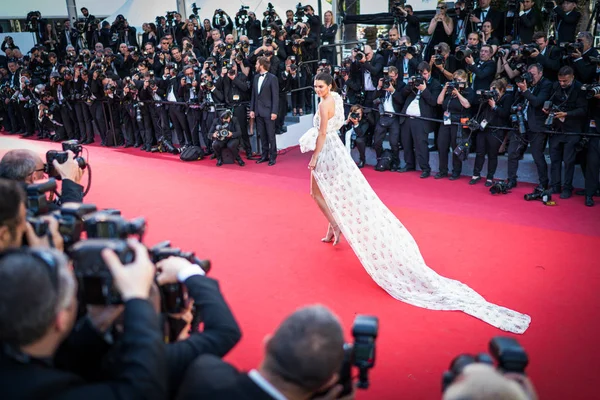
[386,249]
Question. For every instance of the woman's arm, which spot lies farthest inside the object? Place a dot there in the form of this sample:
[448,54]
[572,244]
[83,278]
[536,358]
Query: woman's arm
[324,119]
[442,94]
[448,25]
[432,25]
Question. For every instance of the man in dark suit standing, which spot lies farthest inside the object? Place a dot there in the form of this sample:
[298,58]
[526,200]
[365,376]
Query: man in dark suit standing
[547,56]
[486,13]
[567,18]
[302,358]
[410,26]
[263,107]
[419,101]
[67,38]
[483,72]
[528,18]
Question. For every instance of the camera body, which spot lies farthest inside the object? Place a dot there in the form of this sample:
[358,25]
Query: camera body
[416,80]
[509,355]
[222,131]
[591,90]
[517,117]
[463,52]
[528,49]
[460,86]
[37,202]
[62,157]
[545,196]
[485,95]
[525,77]
[107,225]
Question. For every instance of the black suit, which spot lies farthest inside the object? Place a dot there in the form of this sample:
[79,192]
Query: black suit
[585,70]
[411,27]
[142,372]
[562,147]
[496,17]
[534,98]
[209,377]
[64,42]
[566,25]
[231,143]
[415,132]
[263,104]
[550,60]
[389,123]
[484,73]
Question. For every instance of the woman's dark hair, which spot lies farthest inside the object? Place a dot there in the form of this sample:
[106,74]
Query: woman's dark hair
[327,78]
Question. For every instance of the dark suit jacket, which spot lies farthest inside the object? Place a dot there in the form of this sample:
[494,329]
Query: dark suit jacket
[536,97]
[412,29]
[427,103]
[527,23]
[142,372]
[573,101]
[266,102]
[585,70]
[234,128]
[209,377]
[375,67]
[62,39]
[496,17]
[484,71]
[567,25]
[550,61]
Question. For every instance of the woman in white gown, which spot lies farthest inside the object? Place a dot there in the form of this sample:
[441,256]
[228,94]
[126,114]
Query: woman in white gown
[384,246]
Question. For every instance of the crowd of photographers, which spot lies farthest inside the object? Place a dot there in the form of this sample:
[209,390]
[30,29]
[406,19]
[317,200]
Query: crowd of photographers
[96,78]
[487,81]
[88,311]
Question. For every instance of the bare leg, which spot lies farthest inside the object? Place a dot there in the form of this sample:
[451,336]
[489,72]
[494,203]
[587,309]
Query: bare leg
[332,230]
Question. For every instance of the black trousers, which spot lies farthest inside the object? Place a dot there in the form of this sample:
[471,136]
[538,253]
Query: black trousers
[415,140]
[240,112]
[447,137]
[283,109]
[97,111]
[268,141]
[193,116]
[391,124]
[562,150]
[64,114]
[516,148]
[592,167]
[160,121]
[180,124]
[84,119]
[15,123]
[207,119]
[28,115]
[231,144]
[488,144]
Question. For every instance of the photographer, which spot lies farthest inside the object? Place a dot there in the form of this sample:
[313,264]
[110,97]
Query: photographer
[409,24]
[534,90]
[585,69]
[442,63]
[35,323]
[253,27]
[356,126]
[528,19]
[27,167]
[225,132]
[495,111]
[407,59]
[302,359]
[568,111]
[389,102]
[484,71]
[546,55]
[420,100]
[456,99]
[222,21]
[567,18]
[592,161]
[369,67]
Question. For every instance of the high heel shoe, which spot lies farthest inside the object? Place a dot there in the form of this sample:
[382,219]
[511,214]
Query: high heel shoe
[337,235]
[329,235]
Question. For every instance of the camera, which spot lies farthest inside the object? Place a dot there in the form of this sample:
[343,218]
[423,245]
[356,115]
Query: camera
[463,52]
[387,83]
[517,117]
[62,157]
[360,354]
[416,80]
[71,221]
[485,95]
[222,131]
[591,90]
[355,115]
[107,225]
[545,196]
[462,150]
[37,202]
[525,77]
[508,353]
[499,187]
[438,59]
[570,48]
[460,86]
[552,109]
[528,49]
[360,51]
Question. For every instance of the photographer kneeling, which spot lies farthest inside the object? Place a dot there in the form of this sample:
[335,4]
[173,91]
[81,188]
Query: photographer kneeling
[38,291]
[226,133]
[495,112]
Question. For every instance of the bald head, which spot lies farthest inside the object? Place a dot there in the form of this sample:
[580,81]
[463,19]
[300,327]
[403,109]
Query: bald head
[482,382]
[20,165]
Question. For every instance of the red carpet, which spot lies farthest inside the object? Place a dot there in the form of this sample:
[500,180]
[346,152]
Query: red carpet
[261,230]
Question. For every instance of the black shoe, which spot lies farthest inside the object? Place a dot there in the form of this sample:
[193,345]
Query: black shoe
[433,148]
[262,160]
[219,162]
[271,163]
[589,201]
[394,168]
[441,175]
[360,164]
[511,184]
[540,188]
[454,177]
[406,169]
[474,180]
[425,174]
[128,145]
[556,190]
[136,144]
[213,156]
[240,161]
[489,182]
[566,193]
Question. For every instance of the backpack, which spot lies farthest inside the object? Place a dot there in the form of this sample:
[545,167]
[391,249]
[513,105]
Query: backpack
[384,163]
[191,153]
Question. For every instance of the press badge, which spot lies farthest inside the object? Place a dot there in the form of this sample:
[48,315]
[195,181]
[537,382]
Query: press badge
[236,97]
[483,124]
[593,123]
[510,88]
[447,120]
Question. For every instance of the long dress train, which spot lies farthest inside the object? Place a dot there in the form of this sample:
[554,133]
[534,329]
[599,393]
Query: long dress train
[386,249]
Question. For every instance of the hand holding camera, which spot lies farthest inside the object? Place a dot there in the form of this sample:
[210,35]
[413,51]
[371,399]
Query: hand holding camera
[70,169]
[52,237]
[135,279]
[169,269]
